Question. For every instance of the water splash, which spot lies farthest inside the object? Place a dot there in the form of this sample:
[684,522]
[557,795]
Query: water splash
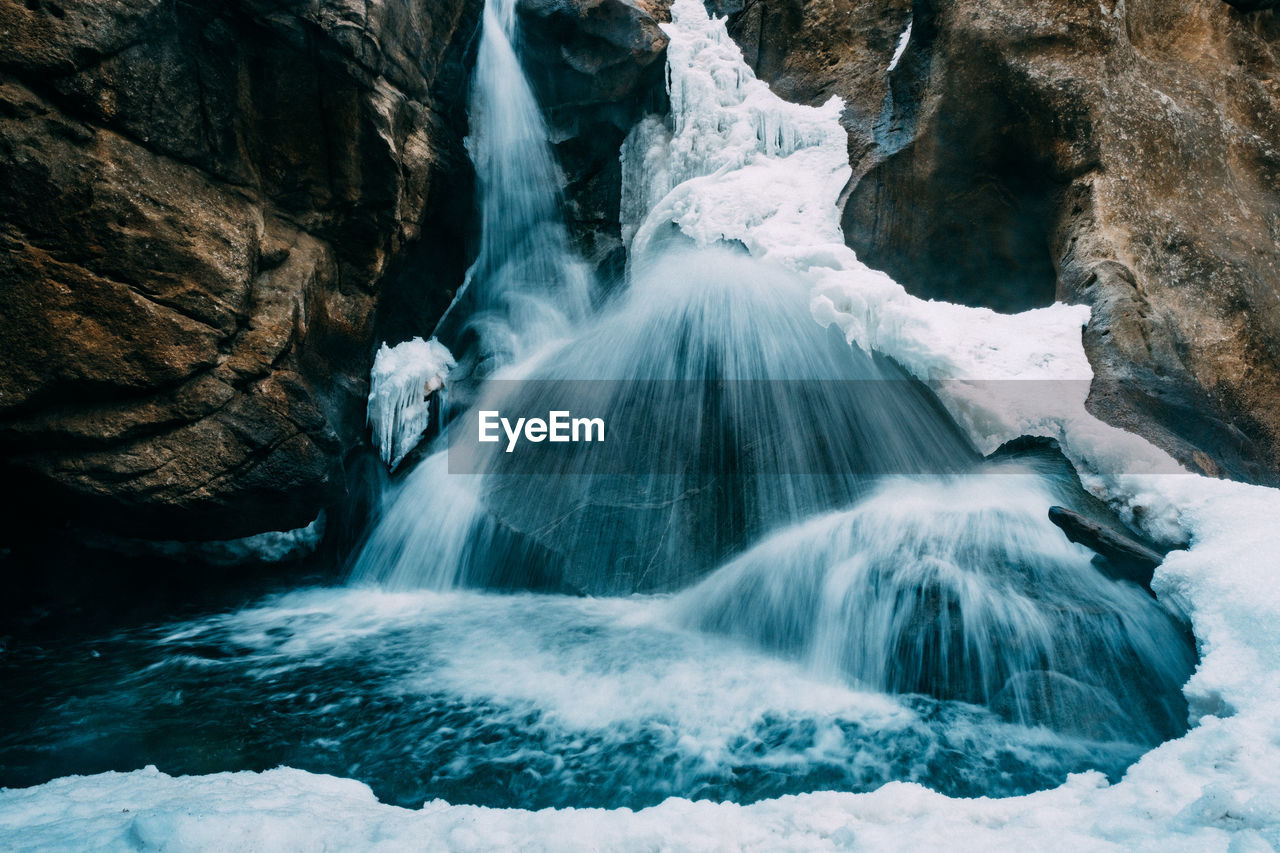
[960,588]
[499,700]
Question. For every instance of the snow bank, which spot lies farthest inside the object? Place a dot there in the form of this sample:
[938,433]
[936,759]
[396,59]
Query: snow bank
[745,166]
[288,809]
[401,384]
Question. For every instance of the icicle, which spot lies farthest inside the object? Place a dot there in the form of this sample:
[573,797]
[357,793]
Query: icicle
[726,119]
[401,384]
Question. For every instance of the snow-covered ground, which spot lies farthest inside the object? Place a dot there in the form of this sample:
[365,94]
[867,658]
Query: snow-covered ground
[288,809]
[742,165]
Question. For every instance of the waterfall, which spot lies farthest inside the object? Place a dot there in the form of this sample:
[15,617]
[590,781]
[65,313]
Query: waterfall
[526,286]
[712,322]
[793,492]
[772,417]
[960,588]
[784,567]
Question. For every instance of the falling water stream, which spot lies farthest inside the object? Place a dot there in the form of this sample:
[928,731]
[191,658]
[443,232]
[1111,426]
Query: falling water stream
[805,579]
[525,286]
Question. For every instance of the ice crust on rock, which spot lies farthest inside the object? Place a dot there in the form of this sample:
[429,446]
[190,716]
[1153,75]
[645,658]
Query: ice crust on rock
[903,41]
[400,387]
[270,546]
[746,167]
[727,134]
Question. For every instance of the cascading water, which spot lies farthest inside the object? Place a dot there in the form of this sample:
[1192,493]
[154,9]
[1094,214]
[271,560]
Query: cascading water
[692,333]
[953,585]
[849,593]
[525,286]
[771,417]
[960,588]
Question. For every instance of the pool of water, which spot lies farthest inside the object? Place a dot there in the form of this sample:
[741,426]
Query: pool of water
[516,700]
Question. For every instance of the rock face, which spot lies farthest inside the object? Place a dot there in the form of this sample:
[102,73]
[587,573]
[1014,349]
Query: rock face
[1123,155]
[211,212]
[596,67]
[812,50]
[198,206]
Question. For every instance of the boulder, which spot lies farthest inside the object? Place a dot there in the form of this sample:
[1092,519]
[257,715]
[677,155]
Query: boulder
[596,67]
[1051,699]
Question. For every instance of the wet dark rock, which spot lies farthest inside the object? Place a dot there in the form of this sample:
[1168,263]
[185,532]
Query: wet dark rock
[593,52]
[1254,5]
[812,50]
[1057,701]
[1126,558]
[199,205]
[596,67]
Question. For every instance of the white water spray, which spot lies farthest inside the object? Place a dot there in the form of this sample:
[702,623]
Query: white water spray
[961,588]
[718,364]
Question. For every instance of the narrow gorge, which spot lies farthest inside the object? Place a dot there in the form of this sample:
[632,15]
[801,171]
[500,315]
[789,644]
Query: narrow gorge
[934,348]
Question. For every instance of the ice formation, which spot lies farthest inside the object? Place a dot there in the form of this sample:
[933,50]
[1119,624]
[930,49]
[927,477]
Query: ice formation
[400,387]
[903,41]
[747,167]
[271,546]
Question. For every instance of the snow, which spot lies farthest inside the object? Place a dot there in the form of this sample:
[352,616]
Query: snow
[745,166]
[287,809]
[401,384]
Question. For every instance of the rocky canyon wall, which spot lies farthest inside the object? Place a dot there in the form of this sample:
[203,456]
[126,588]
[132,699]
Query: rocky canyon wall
[211,212]
[200,205]
[1123,154]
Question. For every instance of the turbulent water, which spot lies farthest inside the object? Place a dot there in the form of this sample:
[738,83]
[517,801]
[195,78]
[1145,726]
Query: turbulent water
[711,359]
[514,700]
[888,604]
[960,588]
[808,578]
